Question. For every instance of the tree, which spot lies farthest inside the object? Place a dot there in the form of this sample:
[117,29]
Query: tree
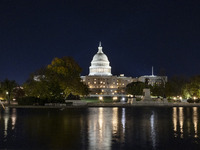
[175,85]
[18,92]
[57,80]
[135,88]
[158,90]
[7,87]
[68,73]
[192,88]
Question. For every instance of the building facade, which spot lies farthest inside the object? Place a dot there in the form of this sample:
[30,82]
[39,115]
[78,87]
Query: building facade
[100,79]
[153,79]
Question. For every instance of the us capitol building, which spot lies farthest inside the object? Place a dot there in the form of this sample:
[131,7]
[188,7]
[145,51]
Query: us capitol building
[101,81]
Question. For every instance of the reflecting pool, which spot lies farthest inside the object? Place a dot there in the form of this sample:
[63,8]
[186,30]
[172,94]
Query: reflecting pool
[100,128]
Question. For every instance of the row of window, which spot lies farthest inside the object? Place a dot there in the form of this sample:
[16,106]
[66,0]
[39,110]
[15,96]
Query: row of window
[100,70]
[102,86]
[105,83]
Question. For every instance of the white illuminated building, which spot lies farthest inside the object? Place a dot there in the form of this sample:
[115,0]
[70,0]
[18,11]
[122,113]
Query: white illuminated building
[100,65]
[100,79]
[153,79]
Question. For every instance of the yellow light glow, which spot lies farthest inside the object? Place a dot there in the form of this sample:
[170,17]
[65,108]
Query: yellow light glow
[115,98]
[194,98]
[195,120]
[100,98]
[115,120]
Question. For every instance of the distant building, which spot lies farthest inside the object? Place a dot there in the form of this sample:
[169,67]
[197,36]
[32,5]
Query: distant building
[153,79]
[100,80]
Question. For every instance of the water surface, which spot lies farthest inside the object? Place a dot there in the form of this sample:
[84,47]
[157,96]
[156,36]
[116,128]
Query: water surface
[100,128]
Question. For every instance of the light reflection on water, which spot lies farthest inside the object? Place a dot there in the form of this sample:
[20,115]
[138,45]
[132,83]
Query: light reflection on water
[153,132]
[190,123]
[103,128]
[175,120]
[181,119]
[99,128]
[115,121]
[195,121]
[123,120]
[13,118]
[8,116]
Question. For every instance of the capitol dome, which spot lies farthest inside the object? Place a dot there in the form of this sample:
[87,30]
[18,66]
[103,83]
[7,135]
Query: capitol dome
[100,64]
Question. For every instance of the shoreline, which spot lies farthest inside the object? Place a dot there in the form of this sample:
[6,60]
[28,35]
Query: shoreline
[112,105]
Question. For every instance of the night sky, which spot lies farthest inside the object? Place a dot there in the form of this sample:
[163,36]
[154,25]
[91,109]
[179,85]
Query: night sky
[135,35]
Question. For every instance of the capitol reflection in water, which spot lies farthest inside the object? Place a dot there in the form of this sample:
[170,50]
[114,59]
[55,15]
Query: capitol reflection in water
[103,125]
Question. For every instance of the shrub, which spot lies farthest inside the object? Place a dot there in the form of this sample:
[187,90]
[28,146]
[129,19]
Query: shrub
[190,100]
[197,100]
[138,99]
[37,101]
[27,100]
[73,97]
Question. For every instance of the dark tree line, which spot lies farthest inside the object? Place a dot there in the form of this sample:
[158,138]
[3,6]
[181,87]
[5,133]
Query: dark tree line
[176,86]
[57,81]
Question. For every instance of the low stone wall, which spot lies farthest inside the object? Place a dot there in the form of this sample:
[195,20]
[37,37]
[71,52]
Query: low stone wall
[77,102]
[141,104]
[54,104]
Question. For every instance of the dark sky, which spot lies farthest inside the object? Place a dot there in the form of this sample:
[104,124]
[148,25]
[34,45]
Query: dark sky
[135,35]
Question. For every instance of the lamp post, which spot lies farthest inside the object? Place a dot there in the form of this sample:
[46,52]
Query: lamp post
[7,93]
